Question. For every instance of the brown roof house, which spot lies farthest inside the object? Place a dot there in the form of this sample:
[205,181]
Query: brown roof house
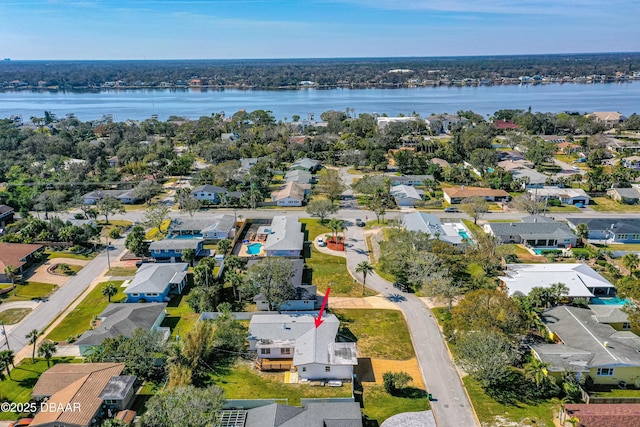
[455,195]
[609,118]
[77,394]
[601,414]
[16,255]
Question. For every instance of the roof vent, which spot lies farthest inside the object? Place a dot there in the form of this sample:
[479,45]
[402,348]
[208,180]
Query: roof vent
[606,343]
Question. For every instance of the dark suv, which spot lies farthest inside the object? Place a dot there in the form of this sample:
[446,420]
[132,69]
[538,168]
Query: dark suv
[402,287]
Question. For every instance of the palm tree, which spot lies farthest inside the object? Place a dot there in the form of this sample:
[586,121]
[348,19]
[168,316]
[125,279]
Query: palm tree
[536,370]
[365,268]
[33,339]
[631,262]
[189,255]
[223,246]
[7,357]
[109,290]
[47,349]
[336,225]
[11,272]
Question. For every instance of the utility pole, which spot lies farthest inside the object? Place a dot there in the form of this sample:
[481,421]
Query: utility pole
[108,259]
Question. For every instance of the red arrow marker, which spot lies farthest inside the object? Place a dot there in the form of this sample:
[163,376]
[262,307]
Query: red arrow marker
[318,319]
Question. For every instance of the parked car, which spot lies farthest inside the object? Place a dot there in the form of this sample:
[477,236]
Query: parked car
[21,423]
[321,242]
[402,286]
[360,222]
[451,209]
[144,261]
[579,205]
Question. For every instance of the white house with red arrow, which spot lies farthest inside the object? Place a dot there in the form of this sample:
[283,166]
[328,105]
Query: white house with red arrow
[298,341]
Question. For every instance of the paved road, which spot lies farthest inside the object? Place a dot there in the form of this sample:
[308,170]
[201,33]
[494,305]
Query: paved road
[451,406]
[47,311]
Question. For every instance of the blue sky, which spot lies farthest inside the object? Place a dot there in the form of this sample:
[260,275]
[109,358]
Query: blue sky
[230,29]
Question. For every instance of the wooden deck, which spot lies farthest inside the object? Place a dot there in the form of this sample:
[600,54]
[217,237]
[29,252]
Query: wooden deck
[274,364]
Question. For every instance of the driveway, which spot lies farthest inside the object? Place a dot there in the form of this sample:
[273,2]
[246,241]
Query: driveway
[40,274]
[451,405]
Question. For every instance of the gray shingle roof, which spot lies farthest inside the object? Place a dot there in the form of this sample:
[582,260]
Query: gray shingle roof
[173,244]
[278,327]
[154,278]
[532,230]
[321,414]
[617,225]
[286,234]
[123,319]
[118,387]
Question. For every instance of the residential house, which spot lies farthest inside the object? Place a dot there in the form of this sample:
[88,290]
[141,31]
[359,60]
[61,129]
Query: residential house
[627,196]
[443,123]
[610,229]
[170,250]
[582,280]
[126,197]
[305,295]
[412,180]
[121,320]
[568,147]
[311,414]
[455,195]
[613,315]
[289,194]
[608,118]
[16,255]
[6,216]
[230,137]
[221,226]
[293,339]
[307,164]
[534,231]
[209,193]
[283,237]
[422,222]
[601,414]
[299,176]
[155,282]
[631,162]
[406,195]
[89,389]
[530,178]
[587,347]
[569,196]
[620,146]
[383,122]
[505,125]
[113,161]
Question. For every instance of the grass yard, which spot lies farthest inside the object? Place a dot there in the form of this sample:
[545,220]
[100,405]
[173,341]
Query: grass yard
[380,334]
[615,392]
[116,223]
[79,320]
[122,271]
[29,291]
[145,392]
[523,254]
[62,254]
[180,317]
[563,208]
[473,228]
[24,377]
[67,269]
[14,315]
[243,381]
[631,247]
[380,405]
[492,413]
[604,204]
[155,234]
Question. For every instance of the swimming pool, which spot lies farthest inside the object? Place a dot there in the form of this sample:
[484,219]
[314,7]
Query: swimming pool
[463,234]
[609,301]
[538,251]
[254,248]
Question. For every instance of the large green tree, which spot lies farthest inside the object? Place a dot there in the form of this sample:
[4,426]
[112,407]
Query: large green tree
[330,184]
[184,406]
[486,355]
[272,278]
[108,206]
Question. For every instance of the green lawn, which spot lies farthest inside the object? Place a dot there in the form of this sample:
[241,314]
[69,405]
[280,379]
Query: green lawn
[380,405]
[631,247]
[122,271]
[243,381]
[604,204]
[144,394]
[473,228]
[563,208]
[488,409]
[23,377]
[615,392]
[380,334]
[71,270]
[29,291]
[180,317]
[79,320]
[62,254]
[523,254]
[14,315]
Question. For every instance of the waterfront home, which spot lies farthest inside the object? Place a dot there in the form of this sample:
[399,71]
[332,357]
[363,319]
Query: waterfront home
[156,282]
[18,256]
[535,231]
[588,348]
[422,222]
[581,280]
[90,388]
[122,320]
[304,295]
[170,250]
[627,196]
[608,118]
[610,229]
[569,196]
[283,341]
[283,237]
[442,123]
[455,195]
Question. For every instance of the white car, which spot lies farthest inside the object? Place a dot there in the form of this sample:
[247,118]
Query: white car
[321,242]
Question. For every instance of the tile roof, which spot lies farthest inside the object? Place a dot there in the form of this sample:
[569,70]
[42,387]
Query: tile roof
[289,190]
[84,392]
[61,375]
[12,254]
[605,414]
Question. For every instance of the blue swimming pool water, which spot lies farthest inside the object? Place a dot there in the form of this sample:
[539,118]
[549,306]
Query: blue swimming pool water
[464,235]
[254,248]
[609,301]
[187,236]
[538,251]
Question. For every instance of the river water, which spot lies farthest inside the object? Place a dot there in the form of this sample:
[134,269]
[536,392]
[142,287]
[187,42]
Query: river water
[141,104]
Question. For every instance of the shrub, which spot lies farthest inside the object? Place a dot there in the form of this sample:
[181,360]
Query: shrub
[580,302]
[554,202]
[78,216]
[115,232]
[581,253]
[395,381]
